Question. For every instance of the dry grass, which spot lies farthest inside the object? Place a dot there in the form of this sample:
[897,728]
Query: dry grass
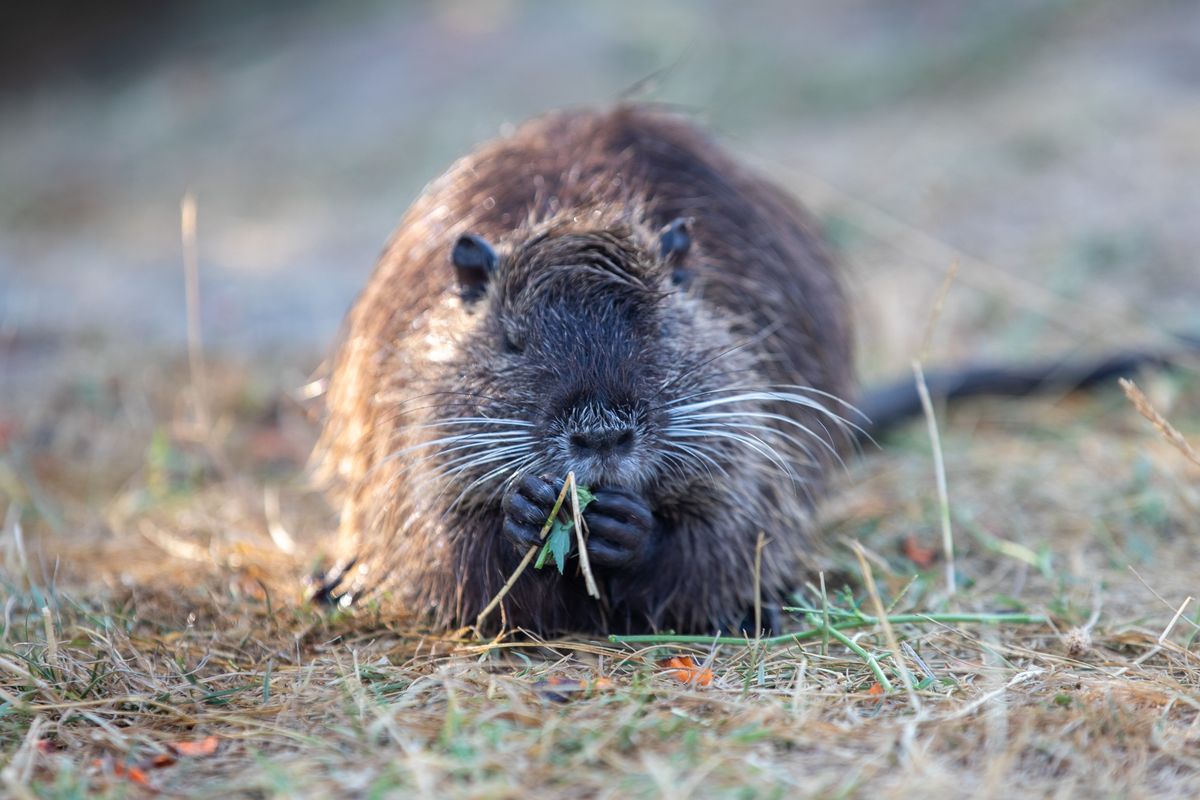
[1165,428]
[148,604]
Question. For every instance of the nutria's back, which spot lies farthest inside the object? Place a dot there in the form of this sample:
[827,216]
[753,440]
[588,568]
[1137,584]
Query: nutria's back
[607,293]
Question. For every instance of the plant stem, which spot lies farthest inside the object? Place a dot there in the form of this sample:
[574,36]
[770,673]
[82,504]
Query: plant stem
[865,656]
[858,621]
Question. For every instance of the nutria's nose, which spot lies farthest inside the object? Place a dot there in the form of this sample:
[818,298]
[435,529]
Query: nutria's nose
[602,442]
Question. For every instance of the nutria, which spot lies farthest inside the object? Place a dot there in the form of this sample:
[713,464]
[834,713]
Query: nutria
[606,293]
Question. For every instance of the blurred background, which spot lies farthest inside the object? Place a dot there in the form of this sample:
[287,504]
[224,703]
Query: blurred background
[1051,147]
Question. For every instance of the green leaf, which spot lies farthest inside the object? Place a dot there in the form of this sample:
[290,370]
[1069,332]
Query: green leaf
[560,543]
[559,539]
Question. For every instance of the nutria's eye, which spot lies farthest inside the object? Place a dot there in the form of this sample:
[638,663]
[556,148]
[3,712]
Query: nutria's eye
[511,343]
[474,262]
[674,242]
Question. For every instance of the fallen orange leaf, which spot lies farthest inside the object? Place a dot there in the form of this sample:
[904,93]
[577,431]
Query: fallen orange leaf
[685,670]
[122,770]
[917,553]
[195,749]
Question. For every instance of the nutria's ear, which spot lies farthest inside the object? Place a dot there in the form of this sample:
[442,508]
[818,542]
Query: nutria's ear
[674,243]
[675,239]
[474,262]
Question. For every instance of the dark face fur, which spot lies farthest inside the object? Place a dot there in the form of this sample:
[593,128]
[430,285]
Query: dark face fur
[582,342]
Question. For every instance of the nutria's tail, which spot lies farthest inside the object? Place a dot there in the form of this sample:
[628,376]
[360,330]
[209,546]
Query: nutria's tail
[893,403]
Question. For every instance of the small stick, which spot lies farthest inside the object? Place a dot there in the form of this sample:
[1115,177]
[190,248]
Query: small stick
[758,551]
[888,633]
[936,312]
[52,640]
[483,615]
[915,656]
[927,406]
[279,534]
[859,651]
[939,469]
[584,564]
[191,274]
[1157,596]
[971,707]
[1178,613]
[825,616]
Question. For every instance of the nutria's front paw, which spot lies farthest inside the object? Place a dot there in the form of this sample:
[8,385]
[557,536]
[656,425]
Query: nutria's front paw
[622,530]
[527,506]
[771,621]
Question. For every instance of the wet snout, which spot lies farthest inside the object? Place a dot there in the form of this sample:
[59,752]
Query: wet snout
[600,444]
[602,441]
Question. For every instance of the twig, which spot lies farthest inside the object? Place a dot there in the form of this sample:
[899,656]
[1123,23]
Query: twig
[1178,613]
[939,468]
[529,556]
[51,640]
[888,633]
[915,656]
[758,551]
[279,534]
[191,274]
[1157,596]
[824,616]
[936,312]
[979,702]
[584,564]
[858,650]
[934,439]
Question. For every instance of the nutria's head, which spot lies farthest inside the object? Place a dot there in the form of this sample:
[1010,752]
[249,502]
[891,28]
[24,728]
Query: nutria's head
[588,350]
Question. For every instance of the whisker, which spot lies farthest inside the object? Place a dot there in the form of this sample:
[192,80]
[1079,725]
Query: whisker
[763,429]
[702,454]
[509,465]
[501,421]
[750,340]
[737,416]
[472,438]
[517,469]
[468,441]
[458,464]
[401,402]
[785,391]
[749,440]
[394,416]
[464,463]
[770,396]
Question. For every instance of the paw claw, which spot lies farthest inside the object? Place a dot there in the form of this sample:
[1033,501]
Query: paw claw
[527,505]
[622,532]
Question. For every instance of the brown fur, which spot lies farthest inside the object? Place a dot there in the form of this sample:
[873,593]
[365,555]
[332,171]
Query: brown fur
[577,198]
